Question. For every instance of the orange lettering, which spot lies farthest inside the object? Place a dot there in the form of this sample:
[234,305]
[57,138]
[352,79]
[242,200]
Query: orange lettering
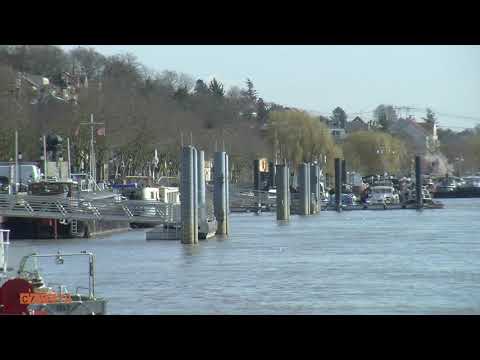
[32,298]
[25,298]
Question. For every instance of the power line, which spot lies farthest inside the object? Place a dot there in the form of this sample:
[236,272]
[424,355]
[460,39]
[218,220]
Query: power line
[460,116]
[452,127]
[413,109]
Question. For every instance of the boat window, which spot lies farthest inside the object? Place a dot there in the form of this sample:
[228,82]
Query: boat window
[382,191]
[48,189]
[152,196]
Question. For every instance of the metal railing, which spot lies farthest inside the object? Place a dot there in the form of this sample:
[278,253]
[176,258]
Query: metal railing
[53,207]
[4,243]
[245,197]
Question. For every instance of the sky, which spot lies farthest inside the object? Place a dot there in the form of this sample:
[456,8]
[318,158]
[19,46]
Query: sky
[319,78]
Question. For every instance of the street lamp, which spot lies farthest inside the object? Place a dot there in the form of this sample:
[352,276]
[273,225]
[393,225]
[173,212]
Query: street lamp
[459,160]
[19,156]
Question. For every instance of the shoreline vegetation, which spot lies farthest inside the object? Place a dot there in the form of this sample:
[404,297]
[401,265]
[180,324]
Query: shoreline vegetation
[143,110]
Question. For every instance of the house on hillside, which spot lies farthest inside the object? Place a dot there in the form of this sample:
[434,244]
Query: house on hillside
[423,140]
[356,124]
[410,131]
[420,135]
[337,129]
[432,142]
[42,90]
[338,134]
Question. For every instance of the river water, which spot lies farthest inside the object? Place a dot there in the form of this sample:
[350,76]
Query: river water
[355,262]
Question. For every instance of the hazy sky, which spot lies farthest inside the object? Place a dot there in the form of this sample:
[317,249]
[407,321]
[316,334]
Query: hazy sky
[319,78]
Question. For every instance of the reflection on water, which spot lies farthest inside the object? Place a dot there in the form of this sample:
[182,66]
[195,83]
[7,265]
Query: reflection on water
[358,262]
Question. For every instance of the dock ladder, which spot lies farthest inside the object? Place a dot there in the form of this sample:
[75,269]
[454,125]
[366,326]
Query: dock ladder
[74,225]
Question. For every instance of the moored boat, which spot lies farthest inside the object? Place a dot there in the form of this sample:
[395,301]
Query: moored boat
[453,187]
[383,195]
[46,228]
[25,292]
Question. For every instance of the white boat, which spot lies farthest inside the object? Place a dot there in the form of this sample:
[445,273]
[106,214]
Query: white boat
[471,181]
[324,194]
[272,193]
[383,195]
[447,185]
[410,196]
[163,194]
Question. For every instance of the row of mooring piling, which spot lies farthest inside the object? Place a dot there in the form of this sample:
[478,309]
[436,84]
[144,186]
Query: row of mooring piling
[308,182]
[193,193]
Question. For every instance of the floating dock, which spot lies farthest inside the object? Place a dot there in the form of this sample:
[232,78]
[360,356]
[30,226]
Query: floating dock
[254,209]
[436,205]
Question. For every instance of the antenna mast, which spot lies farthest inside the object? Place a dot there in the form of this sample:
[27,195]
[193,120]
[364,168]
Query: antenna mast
[93,161]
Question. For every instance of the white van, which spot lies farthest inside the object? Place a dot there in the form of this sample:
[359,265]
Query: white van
[26,173]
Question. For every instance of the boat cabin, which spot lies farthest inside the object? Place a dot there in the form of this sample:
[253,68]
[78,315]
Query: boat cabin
[472,181]
[150,193]
[46,188]
[383,194]
[4,185]
[170,195]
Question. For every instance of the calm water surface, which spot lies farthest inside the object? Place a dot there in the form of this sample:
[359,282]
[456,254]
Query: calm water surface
[357,262]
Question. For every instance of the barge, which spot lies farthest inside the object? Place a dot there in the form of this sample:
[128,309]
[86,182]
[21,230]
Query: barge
[34,228]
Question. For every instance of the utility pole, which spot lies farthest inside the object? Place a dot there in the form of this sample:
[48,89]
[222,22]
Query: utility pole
[45,157]
[16,162]
[275,149]
[68,159]
[93,162]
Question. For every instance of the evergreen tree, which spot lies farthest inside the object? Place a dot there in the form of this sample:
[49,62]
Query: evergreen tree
[430,119]
[181,94]
[216,88]
[338,118]
[250,93]
[262,111]
[385,116]
[200,87]
[324,119]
